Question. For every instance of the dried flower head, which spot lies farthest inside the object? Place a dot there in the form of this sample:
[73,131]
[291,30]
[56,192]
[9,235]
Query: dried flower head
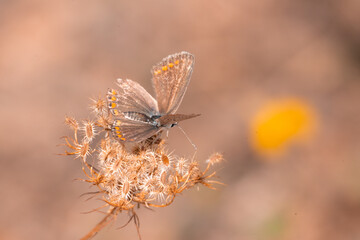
[128,176]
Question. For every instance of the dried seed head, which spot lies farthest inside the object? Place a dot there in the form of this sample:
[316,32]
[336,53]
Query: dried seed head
[89,130]
[163,178]
[148,184]
[118,164]
[182,166]
[165,160]
[99,106]
[148,175]
[70,121]
[104,121]
[84,150]
[215,159]
[125,190]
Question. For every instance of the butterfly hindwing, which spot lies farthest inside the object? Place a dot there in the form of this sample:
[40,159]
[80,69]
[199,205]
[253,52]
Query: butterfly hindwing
[130,130]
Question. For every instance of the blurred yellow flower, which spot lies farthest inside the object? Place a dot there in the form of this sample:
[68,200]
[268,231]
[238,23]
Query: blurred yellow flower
[280,123]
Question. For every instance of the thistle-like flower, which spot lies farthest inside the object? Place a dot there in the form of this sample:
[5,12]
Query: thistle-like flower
[145,173]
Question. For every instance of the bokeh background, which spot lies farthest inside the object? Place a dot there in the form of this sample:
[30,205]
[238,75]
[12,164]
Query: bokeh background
[277,84]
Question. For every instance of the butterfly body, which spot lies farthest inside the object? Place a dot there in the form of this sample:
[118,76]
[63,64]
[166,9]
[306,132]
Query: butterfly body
[137,115]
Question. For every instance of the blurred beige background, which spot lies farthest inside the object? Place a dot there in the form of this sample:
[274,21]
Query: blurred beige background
[56,55]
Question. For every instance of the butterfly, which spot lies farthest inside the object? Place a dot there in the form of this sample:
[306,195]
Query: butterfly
[137,115]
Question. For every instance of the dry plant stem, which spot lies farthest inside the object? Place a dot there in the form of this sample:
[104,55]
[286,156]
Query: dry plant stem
[109,218]
[106,220]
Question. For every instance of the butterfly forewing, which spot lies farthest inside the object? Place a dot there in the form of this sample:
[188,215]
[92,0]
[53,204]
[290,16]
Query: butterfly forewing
[170,80]
[131,97]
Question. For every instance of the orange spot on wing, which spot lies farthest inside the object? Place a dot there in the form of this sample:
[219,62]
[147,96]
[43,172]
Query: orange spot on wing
[123,139]
[177,62]
[115,112]
[112,105]
[157,72]
[164,68]
[171,65]
[113,98]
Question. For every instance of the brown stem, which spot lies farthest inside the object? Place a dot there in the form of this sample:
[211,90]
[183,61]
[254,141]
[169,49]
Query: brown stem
[106,220]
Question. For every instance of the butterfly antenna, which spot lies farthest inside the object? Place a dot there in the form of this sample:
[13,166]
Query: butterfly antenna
[182,130]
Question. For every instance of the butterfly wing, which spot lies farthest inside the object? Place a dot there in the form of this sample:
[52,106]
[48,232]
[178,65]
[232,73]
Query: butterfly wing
[129,130]
[132,108]
[131,97]
[171,77]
